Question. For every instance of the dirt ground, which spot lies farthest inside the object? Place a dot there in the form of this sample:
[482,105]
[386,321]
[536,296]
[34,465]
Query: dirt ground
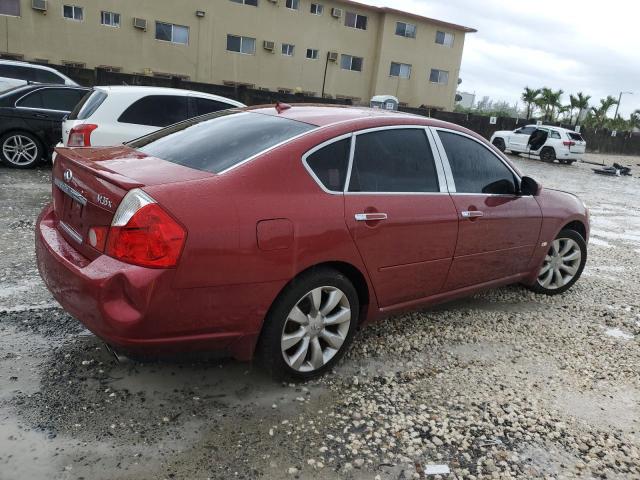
[506,384]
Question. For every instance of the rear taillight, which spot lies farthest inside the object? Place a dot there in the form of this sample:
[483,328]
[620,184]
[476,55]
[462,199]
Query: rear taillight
[568,143]
[80,135]
[142,233]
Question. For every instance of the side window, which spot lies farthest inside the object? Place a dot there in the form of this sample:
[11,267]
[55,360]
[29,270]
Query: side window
[476,169]
[330,164]
[157,111]
[555,135]
[17,72]
[44,76]
[63,99]
[528,130]
[206,105]
[398,160]
[32,100]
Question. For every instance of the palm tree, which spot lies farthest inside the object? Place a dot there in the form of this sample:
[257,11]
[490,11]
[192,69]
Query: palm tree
[549,101]
[634,120]
[529,96]
[600,113]
[581,103]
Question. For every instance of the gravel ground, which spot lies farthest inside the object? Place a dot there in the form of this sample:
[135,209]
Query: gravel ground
[502,385]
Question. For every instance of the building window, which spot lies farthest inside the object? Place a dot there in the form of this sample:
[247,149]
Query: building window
[10,7]
[312,53]
[402,70]
[354,20]
[317,9]
[168,32]
[439,76]
[73,12]
[349,62]
[292,4]
[444,38]
[406,30]
[246,45]
[110,19]
[288,49]
[253,3]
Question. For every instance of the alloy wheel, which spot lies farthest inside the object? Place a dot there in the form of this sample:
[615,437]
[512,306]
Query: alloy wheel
[561,264]
[316,329]
[20,150]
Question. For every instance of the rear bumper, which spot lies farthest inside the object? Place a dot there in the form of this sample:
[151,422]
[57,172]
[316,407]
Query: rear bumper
[137,309]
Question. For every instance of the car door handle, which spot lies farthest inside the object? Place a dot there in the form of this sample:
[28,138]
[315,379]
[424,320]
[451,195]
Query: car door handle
[472,214]
[370,217]
[40,115]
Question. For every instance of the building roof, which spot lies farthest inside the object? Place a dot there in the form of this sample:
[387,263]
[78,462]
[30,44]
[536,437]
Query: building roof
[452,26]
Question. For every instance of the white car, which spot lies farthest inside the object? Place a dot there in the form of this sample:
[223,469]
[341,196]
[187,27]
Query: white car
[113,115]
[548,142]
[15,74]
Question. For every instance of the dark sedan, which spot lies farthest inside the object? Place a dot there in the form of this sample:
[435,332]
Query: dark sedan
[31,121]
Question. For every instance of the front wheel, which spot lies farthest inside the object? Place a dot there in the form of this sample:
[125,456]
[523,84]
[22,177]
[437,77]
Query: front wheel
[20,150]
[310,325]
[563,264]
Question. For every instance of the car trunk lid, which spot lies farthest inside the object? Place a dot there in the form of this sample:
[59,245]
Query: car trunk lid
[89,184]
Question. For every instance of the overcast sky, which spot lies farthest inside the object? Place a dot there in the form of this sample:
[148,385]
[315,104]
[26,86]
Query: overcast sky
[589,46]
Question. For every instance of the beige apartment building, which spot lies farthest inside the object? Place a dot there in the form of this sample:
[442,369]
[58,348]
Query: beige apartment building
[352,50]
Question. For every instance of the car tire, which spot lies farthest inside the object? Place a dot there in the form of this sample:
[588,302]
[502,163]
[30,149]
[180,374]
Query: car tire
[563,264]
[548,154]
[310,325]
[499,144]
[20,150]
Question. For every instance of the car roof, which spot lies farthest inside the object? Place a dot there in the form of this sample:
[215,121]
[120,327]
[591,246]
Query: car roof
[29,65]
[327,115]
[553,127]
[135,90]
[35,86]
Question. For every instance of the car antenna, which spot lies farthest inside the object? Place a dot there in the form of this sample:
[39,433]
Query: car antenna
[281,107]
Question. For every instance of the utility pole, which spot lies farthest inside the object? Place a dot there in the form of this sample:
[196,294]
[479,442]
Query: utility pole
[619,100]
[324,80]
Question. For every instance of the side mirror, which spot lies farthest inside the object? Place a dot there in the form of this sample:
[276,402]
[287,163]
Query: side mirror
[519,130]
[528,186]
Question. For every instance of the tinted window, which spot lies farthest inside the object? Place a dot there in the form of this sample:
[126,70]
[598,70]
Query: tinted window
[206,105]
[575,136]
[220,140]
[330,164]
[44,76]
[527,130]
[88,105]
[393,161]
[157,111]
[63,99]
[475,169]
[17,72]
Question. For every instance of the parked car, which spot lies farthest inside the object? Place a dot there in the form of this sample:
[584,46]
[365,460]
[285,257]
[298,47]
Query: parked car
[114,115]
[14,74]
[31,121]
[279,231]
[554,143]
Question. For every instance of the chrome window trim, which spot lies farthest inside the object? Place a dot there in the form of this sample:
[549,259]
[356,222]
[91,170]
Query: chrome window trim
[445,160]
[71,232]
[442,185]
[320,147]
[76,195]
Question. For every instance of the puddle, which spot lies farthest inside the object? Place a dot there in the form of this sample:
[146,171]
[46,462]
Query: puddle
[617,333]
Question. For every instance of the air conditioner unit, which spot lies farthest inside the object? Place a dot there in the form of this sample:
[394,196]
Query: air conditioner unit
[267,45]
[140,23]
[333,56]
[336,12]
[39,5]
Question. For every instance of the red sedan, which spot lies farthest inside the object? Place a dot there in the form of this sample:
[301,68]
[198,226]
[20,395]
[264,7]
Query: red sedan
[278,231]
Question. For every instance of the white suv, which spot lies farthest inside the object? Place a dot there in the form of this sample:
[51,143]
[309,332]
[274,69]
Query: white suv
[15,74]
[113,115]
[548,142]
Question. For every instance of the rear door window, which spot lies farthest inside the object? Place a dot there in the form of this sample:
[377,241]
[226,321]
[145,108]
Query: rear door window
[330,164]
[398,160]
[475,168]
[207,105]
[555,135]
[61,99]
[157,111]
[220,140]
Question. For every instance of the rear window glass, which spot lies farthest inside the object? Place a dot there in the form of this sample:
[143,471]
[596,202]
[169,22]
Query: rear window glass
[575,136]
[157,111]
[220,140]
[88,105]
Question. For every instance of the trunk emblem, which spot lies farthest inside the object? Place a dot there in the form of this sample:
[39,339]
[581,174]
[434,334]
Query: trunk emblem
[104,201]
[68,175]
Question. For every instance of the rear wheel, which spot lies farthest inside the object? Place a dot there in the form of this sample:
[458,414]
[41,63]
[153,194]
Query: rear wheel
[563,264]
[310,326]
[20,150]
[499,144]
[548,154]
